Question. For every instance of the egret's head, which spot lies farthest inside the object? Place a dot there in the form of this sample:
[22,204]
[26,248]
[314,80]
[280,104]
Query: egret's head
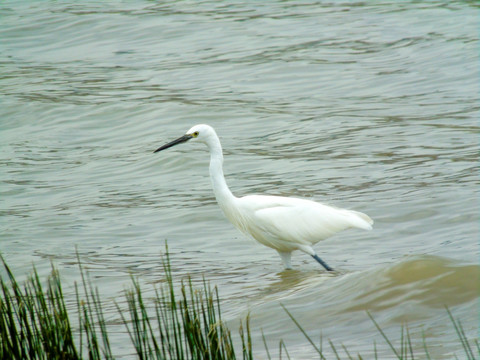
[197,133]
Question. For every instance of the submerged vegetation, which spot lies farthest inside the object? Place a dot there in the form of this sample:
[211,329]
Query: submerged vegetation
[35,324]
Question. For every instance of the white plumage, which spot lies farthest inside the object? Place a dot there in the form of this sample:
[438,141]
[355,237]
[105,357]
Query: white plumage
[284,224]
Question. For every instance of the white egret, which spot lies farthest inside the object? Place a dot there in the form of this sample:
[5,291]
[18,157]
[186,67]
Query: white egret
[281,223]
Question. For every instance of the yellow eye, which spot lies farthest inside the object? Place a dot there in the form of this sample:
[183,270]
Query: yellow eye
[195,134]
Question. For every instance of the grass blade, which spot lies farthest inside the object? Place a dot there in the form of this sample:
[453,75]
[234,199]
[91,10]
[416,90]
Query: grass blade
[384,336]
[461,335]
[303,332]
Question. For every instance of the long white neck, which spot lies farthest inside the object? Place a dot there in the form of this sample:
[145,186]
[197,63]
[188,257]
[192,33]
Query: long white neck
[224,196]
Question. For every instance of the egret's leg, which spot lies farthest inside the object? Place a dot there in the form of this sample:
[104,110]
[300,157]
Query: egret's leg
[286,257]
[323,263]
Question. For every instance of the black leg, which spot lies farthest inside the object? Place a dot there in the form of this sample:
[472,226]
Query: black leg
[323,263]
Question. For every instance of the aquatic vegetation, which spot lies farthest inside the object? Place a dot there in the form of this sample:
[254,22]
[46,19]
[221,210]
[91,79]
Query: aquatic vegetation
[35,324]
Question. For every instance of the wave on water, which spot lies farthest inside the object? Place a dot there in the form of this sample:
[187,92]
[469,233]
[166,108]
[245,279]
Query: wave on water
[431,281]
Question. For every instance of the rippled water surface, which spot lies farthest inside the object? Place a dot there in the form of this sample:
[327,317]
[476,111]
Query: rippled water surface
[368,106]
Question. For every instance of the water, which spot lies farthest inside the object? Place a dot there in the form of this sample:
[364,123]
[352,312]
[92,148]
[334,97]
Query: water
[372,107]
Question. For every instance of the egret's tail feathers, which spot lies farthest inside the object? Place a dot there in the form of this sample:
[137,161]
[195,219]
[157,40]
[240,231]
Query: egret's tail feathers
[362,221]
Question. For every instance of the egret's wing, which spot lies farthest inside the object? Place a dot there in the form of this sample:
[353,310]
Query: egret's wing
[304,222]
[298,224]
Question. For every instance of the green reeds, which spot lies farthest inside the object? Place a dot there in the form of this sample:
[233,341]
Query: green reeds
[405,351]
[184,324]
[34,322]
[187,328]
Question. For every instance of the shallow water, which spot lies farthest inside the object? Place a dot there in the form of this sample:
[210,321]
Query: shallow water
[372,107]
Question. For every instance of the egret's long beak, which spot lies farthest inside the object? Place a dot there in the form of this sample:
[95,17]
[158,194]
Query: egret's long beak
[180,140]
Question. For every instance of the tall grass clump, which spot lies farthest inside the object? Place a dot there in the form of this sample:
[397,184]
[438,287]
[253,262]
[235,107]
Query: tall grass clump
[34,321]
[35,324]
[188,327]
